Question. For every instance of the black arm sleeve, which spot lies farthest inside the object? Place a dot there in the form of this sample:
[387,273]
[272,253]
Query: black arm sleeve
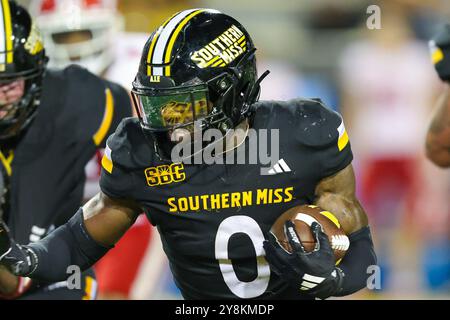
[68,245]
[358,258]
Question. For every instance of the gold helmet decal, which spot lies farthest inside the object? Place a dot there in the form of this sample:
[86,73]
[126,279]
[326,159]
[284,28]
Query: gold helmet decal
[176,112]
[222,50]
[34,42]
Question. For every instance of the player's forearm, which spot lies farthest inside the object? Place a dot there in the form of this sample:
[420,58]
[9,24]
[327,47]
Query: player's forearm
[69,245]
[438,135]
[8,282]
[81,242]
[84,239]
[359,257]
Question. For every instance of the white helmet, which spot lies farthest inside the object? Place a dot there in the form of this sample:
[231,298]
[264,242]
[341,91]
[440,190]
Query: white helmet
[78,31]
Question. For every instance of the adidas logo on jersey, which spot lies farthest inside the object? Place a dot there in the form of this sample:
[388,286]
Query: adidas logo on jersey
[280,167]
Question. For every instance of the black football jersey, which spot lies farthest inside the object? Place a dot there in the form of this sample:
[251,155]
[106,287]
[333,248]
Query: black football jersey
[44,170]
[212,218]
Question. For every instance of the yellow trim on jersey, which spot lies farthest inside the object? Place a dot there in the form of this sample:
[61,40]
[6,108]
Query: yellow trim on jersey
[107,119]
[343,136]
[437,55]
[6,161]
[8,31]
[107,164]
[339,261]
[332,217]
[343,141]
[90,289]
[174,37]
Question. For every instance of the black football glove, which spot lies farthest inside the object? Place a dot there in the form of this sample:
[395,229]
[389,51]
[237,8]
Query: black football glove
[440,52]
[20,260]
[314,273]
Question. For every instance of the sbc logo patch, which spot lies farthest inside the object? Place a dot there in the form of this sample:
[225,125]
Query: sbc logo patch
[165,174]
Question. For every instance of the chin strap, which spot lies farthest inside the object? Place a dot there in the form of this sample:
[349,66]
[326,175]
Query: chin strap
[252,95]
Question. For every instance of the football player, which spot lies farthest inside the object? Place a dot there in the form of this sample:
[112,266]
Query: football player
[438,135]
[91,38]
[214,220]
[51,124]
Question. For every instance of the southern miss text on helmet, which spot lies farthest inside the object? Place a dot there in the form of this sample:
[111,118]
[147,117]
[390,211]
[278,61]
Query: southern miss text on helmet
[198,66]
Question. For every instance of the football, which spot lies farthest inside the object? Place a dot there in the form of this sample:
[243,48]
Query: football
[302,217]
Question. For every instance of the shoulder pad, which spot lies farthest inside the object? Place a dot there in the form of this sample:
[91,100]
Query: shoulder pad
[127,147]
[317,125]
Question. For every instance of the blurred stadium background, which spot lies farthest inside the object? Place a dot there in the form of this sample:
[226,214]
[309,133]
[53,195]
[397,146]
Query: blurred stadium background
[381,80]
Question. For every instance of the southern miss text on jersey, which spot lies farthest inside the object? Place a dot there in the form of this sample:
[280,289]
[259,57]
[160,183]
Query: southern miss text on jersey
[212,219]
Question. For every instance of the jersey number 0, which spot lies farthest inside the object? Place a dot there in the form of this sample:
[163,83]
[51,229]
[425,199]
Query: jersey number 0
[247,225]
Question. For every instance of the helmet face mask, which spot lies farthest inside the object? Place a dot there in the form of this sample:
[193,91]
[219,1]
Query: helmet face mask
[199,66]
[169,115]
[22,69]
[163,112]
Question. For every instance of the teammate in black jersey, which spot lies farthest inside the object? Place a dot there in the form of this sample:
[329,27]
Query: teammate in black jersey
[198,75]
[51,124]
